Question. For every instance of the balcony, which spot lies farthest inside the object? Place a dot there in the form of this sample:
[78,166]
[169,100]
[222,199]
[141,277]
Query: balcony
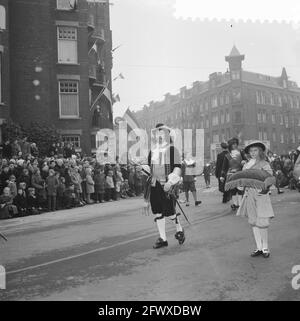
[99,34]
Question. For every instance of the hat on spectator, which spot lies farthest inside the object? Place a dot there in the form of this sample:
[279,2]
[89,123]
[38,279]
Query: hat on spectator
[255,143]
[224,145]
[20,162]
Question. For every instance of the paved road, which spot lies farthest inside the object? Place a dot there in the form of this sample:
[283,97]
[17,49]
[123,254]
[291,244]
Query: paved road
[104,252]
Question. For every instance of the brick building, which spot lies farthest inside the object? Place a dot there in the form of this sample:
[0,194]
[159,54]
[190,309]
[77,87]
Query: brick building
[60,58]
[4,63]
[237,103]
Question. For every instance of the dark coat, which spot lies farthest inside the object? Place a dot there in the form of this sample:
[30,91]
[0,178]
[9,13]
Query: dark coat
[219,163]
[7,151]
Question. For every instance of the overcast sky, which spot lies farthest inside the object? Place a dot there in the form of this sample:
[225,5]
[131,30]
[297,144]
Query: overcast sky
[163,48]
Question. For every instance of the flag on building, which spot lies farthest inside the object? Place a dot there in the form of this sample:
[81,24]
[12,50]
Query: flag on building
[94,48]
[104,92]
[115,98]
[107,94]
[132,122]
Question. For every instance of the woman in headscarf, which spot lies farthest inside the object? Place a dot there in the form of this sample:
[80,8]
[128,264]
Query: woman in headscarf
[256,203]
[232,163]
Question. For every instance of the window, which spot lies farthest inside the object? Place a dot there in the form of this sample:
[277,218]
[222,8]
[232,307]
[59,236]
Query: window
[265,136]
[222,118]
[274,136]
[293,138]
[68,99]
[214,101]
[264,117]
[66,4]
[72,139]
[215,138]
[221,99]
[236,95]
[260,135]
[278,100]
[286,120]
[201,106]
[281,138]
[259,117]
[258,97]
[262,98]
[281,120]
[291,102]
[215,119]
[207,122]
[227,117]
[67,45]
[206,104]
[235,74]
[2,18]
[272,99]
[238,117]
[227,98]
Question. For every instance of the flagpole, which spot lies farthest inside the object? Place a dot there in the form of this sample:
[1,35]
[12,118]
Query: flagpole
[99,96]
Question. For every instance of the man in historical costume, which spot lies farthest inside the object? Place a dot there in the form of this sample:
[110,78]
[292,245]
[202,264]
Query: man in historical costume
[165,174]
[232,163]
[219,165]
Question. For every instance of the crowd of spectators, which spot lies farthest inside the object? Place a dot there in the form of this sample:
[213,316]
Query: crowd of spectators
[33,184]
[283,167]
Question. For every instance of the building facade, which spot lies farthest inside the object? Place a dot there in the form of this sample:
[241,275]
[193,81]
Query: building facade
[236,103]
[4,64]
[60,67]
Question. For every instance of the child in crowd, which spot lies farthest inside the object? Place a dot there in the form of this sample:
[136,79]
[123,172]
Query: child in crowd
[32,203]
[20,201]
[125,189]
[110,186]
[51,185]
[39,185]
[90,189]
[7,209]
[70,197]
[118,182]
[12,185]
[99,179]
[61,189]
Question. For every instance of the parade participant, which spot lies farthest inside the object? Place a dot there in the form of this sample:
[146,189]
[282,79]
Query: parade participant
[219,164]
[256,203]
[188,174]
[165,172]
[232,163]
